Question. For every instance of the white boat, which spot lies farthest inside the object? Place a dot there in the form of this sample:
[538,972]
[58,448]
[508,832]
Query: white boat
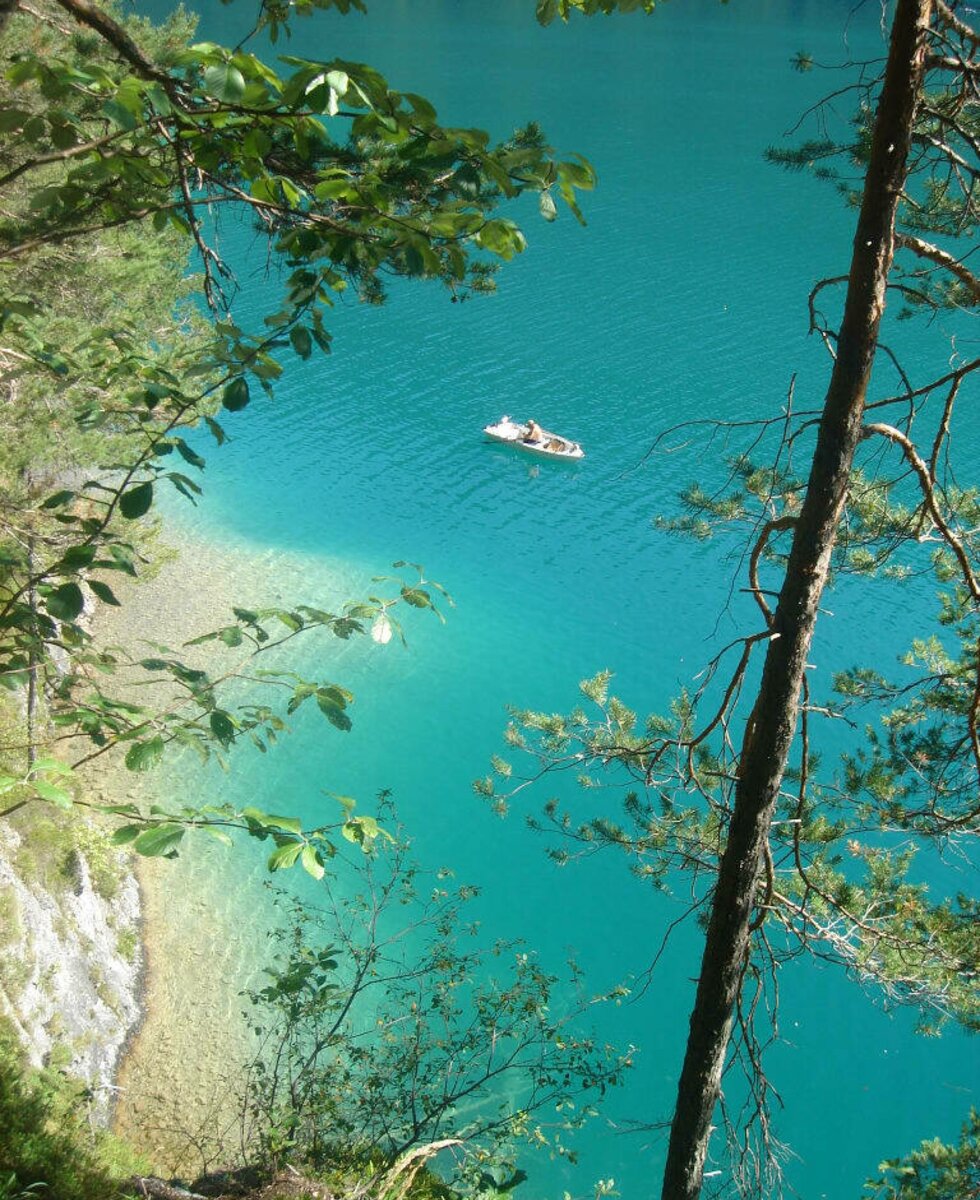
[544,443]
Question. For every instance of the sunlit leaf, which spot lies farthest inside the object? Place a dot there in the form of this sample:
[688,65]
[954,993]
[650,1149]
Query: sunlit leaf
[285,856]
[159,840]
[312,863]
[225,82]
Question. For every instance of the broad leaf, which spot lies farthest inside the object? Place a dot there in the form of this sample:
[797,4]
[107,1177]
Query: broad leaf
[136,502]
[66,602]
[103,591]
[285,856]
[144,755]
[235,395]
[159,841]
[223,727]
[225,82]
[54,795]
[312,863]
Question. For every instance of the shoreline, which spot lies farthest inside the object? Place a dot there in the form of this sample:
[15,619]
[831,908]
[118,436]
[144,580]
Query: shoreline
[140,997]
[175,1076]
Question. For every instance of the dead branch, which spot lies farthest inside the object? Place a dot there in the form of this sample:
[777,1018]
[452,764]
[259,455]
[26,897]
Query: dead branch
[929,496]
[954,22]
[761,541]
[396,1182]
[943,430]
[941,258]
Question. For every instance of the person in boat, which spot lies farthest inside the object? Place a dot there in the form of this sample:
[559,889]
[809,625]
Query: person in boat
[534,431]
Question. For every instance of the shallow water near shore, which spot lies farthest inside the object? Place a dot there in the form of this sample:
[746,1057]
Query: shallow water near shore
[684,298]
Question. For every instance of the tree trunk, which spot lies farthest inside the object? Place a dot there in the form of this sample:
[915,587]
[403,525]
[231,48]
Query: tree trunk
[772,725]
[34,662]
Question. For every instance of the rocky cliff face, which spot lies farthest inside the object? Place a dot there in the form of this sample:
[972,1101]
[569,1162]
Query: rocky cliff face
[71,959]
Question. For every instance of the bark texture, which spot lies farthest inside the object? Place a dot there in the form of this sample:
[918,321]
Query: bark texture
[772,725]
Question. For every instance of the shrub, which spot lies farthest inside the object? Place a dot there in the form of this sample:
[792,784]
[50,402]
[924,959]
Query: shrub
[46,1147]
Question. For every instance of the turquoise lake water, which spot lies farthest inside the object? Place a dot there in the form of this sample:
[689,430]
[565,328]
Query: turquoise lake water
[684,298]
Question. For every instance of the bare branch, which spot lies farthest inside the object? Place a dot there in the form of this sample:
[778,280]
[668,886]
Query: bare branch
[955,22]
[929,495]
[941,258]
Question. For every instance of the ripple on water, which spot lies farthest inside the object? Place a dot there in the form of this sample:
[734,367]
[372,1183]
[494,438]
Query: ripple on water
[684,299]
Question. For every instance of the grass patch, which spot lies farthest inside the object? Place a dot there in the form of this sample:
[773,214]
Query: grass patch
[46,1146]
[51,845]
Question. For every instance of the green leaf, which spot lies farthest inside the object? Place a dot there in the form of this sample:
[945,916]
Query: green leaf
[285,856]
[187,454]
[339,81]
[66,602]
[52,766]
[225,82]
[333,711]
[416,597]
[257,143]
[54,795]
[299,335]
[126,834]
[58,500]
[363,830]
[579,174]
[502,238]
[293,824]
[12,119]
[136,502]
[222,727]
[216,431]
[144,755]
[370,828]
[159,840]
[120,114]
[77,556]
[103,591]
[236,395]
[312,863]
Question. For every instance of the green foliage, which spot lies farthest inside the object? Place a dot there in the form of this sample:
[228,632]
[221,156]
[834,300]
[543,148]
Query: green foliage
[833,883]
[118,138]
[70,540]
[50,843]
[401,193]
[935,1171]
[396,1034]
[47,1148]
[549,9]
[939,198]
[834,865]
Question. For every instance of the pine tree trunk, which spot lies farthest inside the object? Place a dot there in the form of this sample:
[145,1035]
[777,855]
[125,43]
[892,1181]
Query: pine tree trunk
[772,725]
